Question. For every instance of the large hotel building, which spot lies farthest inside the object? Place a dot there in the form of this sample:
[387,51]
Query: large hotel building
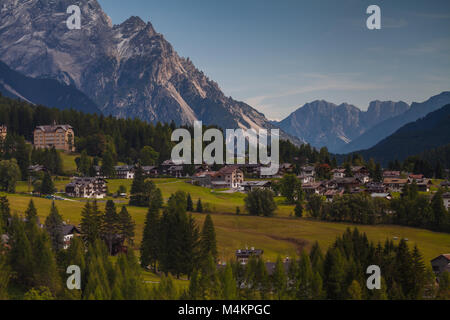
[59,136]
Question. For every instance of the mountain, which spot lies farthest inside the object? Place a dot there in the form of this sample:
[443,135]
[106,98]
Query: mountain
[427,133]
[389,126]
[322,123]
[46,92]
[128,70]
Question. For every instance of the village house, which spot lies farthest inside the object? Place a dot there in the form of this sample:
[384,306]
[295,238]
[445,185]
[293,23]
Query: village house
[308,171]
[285,168]
[395,184]
[59,136]
[392,174]
[3,132]
[441,264]
[92,188]
[175,171]
[248,186]
[338,173]
[150,171]
[124,172]
[312,188]
[333,193]
[412,177]
[250,169]
[347,183]
[423,184]
[445,184]
[305,179]
[446,199]
[228,176]
[69,232]
[242,256]
[359,170]
[376,187]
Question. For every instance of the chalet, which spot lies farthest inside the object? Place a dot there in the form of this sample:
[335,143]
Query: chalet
[36,169]
[285,168]
[362,177]
[124,172]
[376,187]
[92,188]
[59,136]
[359,170]
[445,184]
[446,198]
[251,169]
[242,256]
[150,171]
[270,266]
[312,188]
[395,184]
[392,174]
[305,179]
[424,184]
[175,171]
[338,173]
[350,182]
[69,231]
[308,171]
[203,179]
[415,177]
[333,193]
[228,177]
[248,186]
[3,132]
[165,166]
[385,195]
[441,264]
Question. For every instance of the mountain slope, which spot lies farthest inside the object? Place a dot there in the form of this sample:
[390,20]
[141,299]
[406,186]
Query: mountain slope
[389,126]
[129,70]
[413,138]
[322,123]
[46,92]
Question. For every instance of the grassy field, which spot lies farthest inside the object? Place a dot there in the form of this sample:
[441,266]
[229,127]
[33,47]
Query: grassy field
[281,235]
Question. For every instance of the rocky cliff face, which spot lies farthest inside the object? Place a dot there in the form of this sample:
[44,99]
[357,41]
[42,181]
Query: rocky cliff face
[128,70]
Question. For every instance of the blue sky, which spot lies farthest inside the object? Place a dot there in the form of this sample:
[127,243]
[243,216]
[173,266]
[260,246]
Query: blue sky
[277,55]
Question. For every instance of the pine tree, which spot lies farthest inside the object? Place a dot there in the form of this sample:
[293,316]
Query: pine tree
[90,222]
[440,215]
[126,226]
[31,214]
[229,289]
[279,279]
[419,274]
[109,227]
[151,238]
[298,210]
[21,253]
[208,241]
[190,205]
[47,186]
[107,168]
[5,212]
[138,189]
[199,206]
[54,227]
[354,291]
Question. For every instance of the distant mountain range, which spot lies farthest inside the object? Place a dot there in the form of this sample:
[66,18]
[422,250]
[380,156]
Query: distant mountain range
[389,126]
[128,70]
[46,92]
[322,123]
[344,128]
[427,133]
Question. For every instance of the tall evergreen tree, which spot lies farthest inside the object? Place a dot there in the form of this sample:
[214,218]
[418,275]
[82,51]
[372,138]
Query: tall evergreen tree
[151,238]
[199,206]
[126,226]
[54,227]
[190,205]
[47,186]
[208,239]
[110,227]
[90,222]
[138,189]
